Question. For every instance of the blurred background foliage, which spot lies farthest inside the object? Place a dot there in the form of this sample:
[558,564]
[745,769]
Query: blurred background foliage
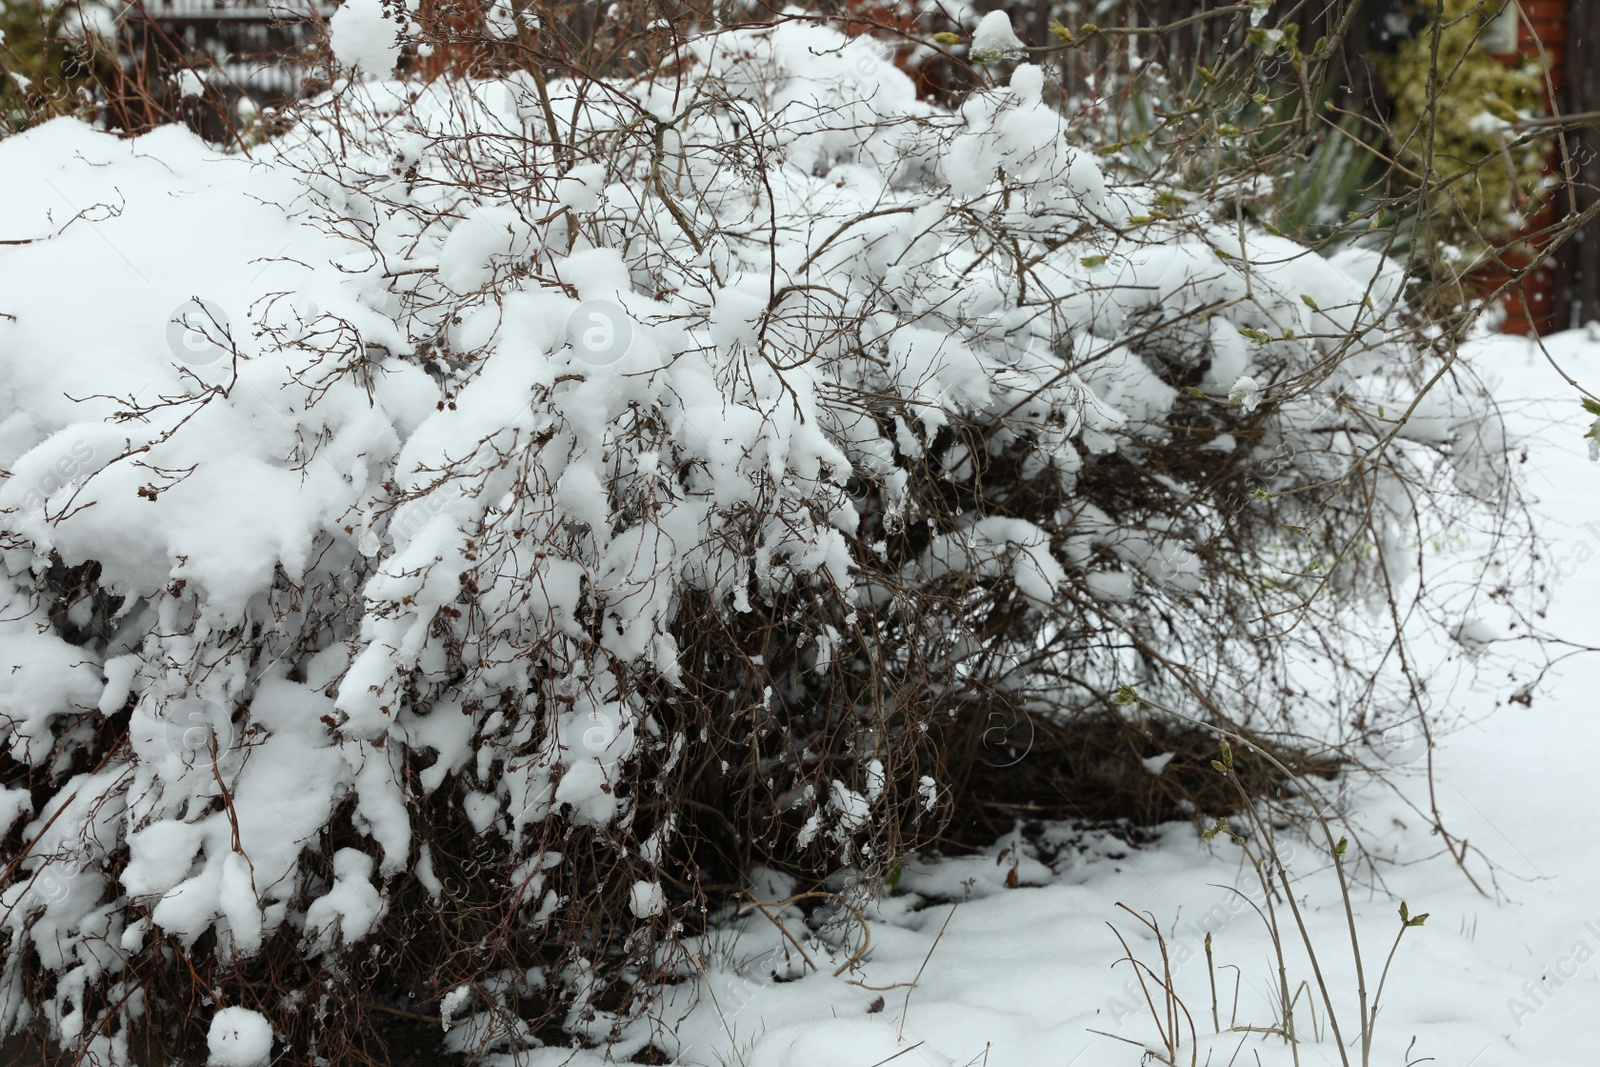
[51,66]
[1491,183]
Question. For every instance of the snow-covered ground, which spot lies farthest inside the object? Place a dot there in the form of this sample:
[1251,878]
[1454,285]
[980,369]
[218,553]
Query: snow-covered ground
[1505,977]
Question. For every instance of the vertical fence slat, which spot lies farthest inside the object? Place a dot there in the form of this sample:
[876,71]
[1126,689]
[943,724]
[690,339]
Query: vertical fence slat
[1578,295]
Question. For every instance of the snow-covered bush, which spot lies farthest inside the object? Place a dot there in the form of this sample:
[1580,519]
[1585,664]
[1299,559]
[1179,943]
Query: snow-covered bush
[448,548]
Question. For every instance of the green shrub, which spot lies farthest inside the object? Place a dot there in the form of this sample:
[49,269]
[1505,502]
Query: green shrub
[1458,138]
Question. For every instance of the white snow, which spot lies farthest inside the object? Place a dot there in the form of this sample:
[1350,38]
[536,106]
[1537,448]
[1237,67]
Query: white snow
[646,899]
[191,83]
[239,1037]
[1157,764]
[994,38]
[352,907]
[450,1004]
[1246,392]
[363,36]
